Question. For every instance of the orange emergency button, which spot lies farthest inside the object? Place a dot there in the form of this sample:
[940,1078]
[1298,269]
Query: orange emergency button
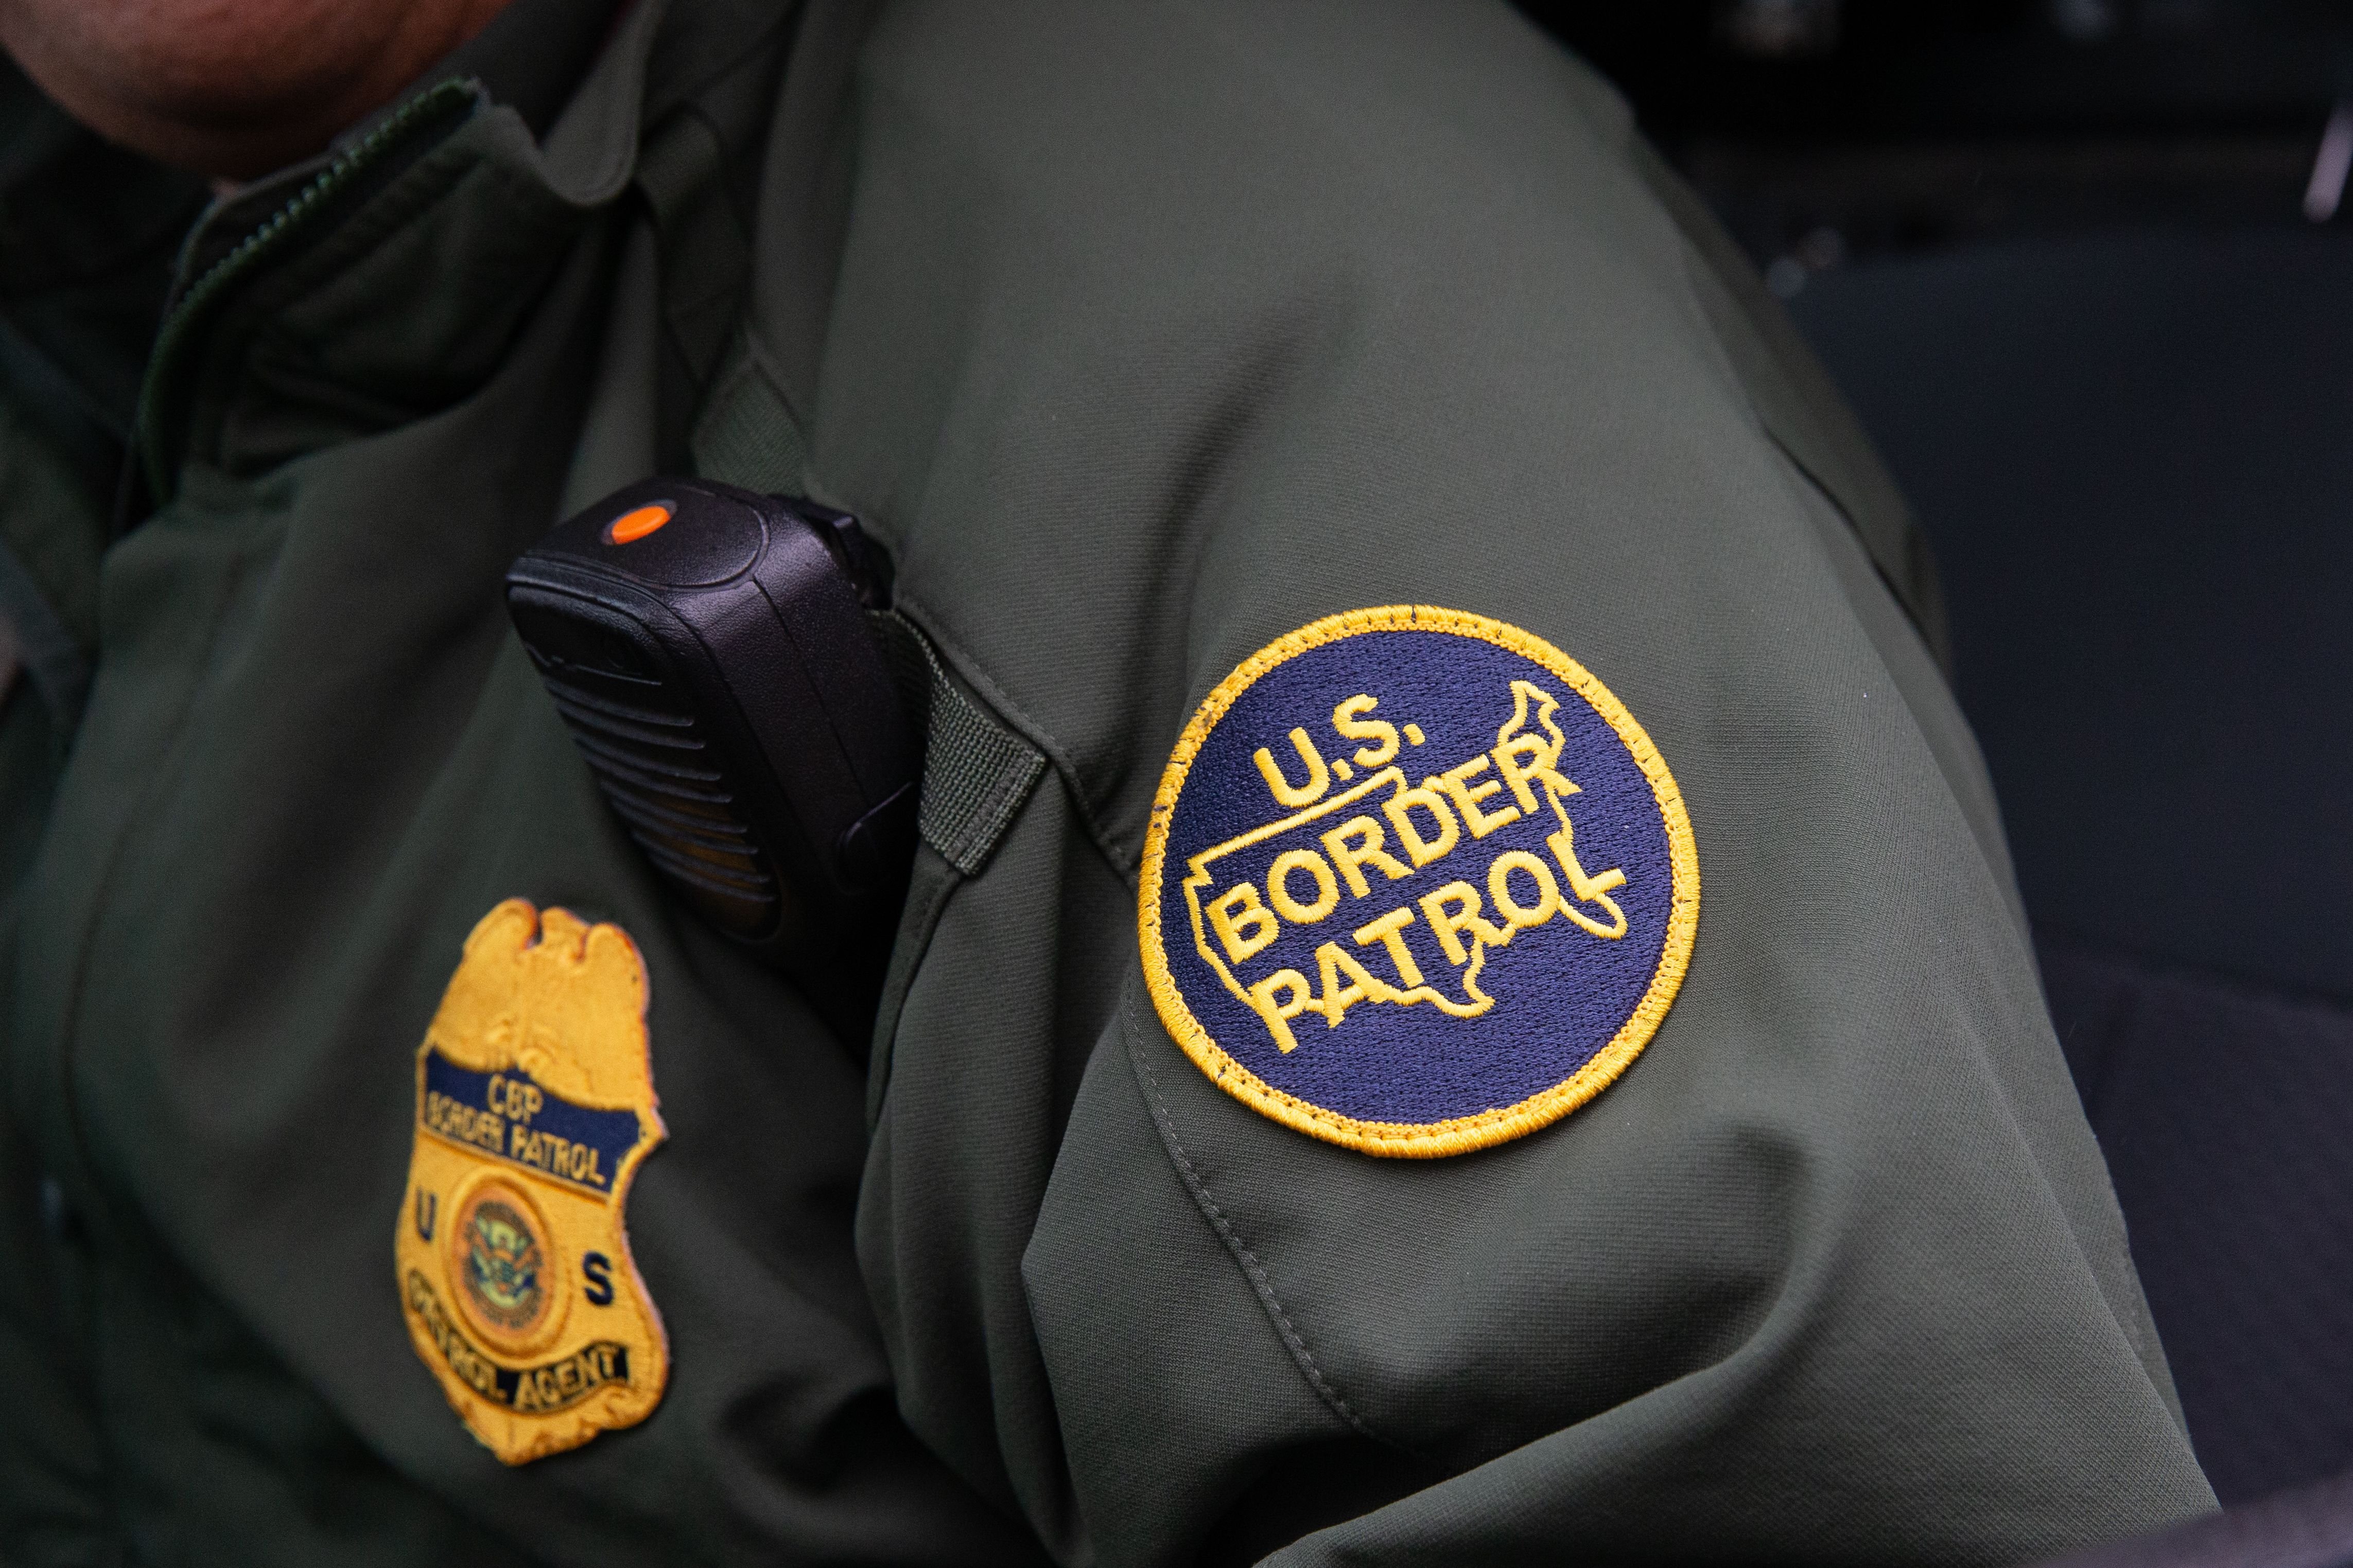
[631,526]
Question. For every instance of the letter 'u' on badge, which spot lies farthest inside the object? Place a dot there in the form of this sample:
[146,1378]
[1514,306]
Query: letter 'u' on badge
[1516,902]
[535,1106]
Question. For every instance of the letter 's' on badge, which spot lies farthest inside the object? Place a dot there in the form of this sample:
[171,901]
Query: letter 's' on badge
[1425,948]
[535,1106]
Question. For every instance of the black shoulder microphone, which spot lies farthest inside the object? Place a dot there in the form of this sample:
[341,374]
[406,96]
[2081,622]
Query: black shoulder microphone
[712,652]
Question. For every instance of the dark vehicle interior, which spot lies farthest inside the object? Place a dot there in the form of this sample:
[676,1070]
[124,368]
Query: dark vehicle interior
[2085,268]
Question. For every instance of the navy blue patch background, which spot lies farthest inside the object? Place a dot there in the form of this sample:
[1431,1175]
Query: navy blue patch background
[1561,993]
[611,1132]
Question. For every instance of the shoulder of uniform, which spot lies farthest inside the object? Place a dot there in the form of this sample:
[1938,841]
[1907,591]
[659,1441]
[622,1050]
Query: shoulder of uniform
[1149,114]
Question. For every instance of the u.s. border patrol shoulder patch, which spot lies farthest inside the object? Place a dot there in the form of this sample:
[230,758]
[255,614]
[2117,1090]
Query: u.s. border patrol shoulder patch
[535,1106]
[1415,883]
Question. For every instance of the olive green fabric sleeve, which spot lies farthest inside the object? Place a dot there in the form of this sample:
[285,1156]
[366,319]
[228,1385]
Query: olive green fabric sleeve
[1161,331]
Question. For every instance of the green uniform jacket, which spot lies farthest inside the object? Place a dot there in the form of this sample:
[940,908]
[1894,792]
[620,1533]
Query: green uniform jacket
[1141,335]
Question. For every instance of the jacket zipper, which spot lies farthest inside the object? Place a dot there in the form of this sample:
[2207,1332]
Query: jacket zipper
[180,323]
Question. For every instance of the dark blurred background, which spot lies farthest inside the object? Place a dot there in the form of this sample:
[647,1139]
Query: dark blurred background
[2085,269]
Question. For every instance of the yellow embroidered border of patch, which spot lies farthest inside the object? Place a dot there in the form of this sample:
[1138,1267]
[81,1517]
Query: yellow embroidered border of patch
[1459,1134]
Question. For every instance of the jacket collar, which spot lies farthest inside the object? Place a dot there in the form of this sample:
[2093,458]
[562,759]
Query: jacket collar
[379,283]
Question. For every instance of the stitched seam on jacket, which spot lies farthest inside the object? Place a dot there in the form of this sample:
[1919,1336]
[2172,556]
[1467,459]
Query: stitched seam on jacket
[1252,1269]
[1914,616]
[170,760]
[1699,277]
[882,1046]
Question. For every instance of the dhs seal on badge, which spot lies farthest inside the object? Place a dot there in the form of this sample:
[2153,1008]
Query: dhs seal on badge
[535,1106]
[1415,883]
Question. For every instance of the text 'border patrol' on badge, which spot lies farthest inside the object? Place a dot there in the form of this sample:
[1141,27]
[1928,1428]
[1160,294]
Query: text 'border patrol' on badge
[534,1109]
[1448,1090]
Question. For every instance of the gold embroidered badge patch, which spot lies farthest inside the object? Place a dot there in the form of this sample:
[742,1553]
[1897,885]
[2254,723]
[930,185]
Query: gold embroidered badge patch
[535,1106]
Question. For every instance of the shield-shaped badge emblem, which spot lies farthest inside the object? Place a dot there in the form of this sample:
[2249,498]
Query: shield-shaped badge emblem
[535,1106]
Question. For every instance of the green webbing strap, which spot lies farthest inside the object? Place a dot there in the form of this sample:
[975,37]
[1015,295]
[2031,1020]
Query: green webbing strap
[746,433]
[976,771]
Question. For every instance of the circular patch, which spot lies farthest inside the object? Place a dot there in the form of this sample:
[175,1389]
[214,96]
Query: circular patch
[500,1258]
[1415,883]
